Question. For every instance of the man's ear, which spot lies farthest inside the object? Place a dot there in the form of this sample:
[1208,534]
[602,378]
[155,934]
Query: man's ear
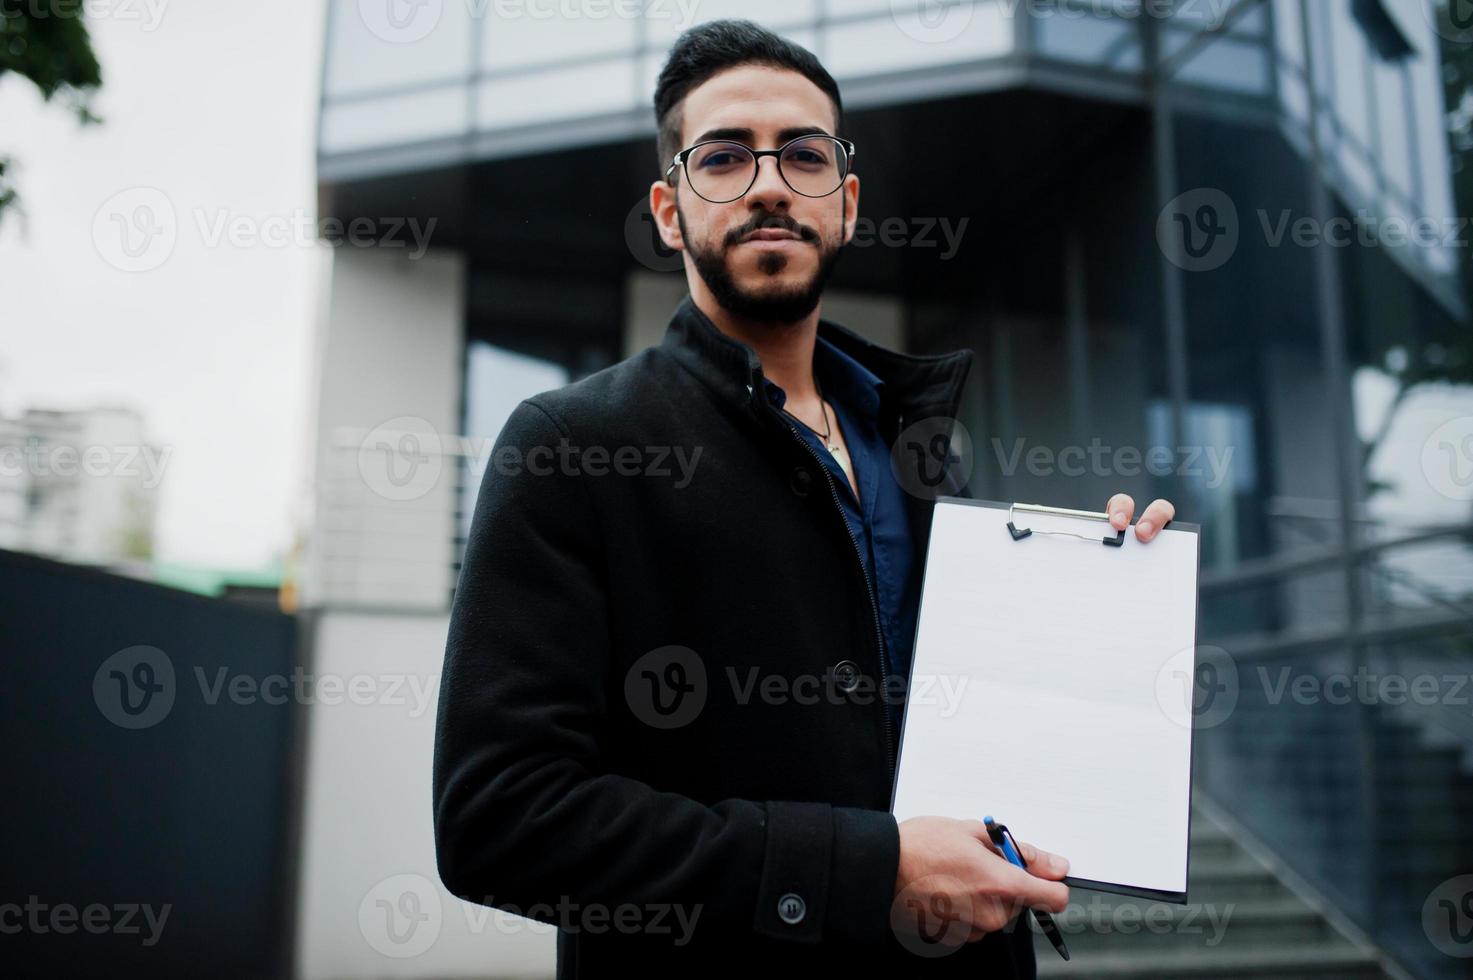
[662,206]
[850,190]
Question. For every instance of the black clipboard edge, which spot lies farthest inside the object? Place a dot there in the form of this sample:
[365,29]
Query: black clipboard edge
[1175,898]
[1156,894]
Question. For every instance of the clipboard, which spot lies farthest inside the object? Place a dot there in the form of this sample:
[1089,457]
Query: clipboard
[1060,663]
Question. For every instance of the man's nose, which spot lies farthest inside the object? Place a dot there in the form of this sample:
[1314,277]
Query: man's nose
[769,190]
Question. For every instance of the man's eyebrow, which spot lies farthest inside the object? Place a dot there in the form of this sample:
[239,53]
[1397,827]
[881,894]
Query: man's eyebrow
[744,135]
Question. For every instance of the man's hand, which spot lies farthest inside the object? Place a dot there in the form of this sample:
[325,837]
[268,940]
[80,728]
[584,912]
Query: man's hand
[954,885]
[1120,508]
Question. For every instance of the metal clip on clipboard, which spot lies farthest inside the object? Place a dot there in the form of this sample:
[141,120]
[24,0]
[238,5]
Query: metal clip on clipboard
[1113,540]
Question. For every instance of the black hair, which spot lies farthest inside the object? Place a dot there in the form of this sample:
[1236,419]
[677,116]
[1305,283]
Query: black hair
[712,47]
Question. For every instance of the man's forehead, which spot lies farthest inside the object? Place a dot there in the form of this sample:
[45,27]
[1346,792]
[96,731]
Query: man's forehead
[757,98]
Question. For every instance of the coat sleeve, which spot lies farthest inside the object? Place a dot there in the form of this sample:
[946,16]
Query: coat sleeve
[525,812]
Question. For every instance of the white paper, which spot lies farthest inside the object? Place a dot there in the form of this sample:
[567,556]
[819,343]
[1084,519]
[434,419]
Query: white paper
[1051,689]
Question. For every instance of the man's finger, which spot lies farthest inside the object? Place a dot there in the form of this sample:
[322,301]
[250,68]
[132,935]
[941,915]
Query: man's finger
[1120,508]
[1043,863]
[1035,892]
[1154,519]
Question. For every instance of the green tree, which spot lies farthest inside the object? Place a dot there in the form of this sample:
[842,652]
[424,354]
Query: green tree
[46,42]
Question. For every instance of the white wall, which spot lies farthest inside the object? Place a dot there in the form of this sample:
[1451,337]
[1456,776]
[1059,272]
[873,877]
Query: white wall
[368,852]
[389,364]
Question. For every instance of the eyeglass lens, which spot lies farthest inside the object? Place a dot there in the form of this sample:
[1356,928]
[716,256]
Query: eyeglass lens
[813,167]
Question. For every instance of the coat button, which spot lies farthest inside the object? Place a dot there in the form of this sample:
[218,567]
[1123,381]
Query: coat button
[801,481]
[790,909]
[846,675]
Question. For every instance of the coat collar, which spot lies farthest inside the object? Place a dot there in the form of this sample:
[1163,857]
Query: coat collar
[917,386]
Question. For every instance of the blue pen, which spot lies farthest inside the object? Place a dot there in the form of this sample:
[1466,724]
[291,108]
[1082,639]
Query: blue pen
[1003,838]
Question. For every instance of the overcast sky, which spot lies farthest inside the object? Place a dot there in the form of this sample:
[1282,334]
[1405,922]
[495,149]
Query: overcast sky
[209,112]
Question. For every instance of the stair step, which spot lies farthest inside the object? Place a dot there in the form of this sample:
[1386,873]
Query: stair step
[1153,928]
[1342,961]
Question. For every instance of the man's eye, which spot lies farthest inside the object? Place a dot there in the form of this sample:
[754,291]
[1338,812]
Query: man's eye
[722,158]
[808,158]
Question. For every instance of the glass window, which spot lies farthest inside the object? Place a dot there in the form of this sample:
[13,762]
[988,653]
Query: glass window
[496,381]
[378,46]
[607,86]
[537,33]
[394,120]
[907,40]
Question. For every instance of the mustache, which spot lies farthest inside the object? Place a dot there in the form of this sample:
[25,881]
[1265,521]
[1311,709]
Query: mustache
[766,220]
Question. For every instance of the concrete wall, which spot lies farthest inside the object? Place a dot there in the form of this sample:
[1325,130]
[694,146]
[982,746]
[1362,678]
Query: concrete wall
[390,358]
[370,900]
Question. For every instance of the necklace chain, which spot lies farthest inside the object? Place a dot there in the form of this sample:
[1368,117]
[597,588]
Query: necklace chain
[823,410]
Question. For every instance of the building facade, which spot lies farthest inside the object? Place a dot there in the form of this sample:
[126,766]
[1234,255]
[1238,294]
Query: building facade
[1203,250]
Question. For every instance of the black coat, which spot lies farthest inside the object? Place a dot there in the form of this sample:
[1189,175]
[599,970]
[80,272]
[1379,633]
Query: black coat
[661,683]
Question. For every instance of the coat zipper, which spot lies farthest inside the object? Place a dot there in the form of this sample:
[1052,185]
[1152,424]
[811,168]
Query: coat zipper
[873,604]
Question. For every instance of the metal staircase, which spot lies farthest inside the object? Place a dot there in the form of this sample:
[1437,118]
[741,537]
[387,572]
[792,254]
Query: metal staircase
[1243,920]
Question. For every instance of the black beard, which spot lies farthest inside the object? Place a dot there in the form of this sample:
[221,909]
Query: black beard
[782,307]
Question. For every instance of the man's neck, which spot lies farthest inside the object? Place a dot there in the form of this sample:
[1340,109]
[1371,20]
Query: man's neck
[785,350]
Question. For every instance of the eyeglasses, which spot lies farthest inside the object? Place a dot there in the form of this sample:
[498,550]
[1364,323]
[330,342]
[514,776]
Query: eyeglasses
[721,171]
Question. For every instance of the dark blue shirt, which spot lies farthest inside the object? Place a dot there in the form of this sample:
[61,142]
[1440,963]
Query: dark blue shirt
[878,521]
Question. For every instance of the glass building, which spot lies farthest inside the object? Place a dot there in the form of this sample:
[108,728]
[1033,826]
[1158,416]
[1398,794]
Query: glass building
[1204,250]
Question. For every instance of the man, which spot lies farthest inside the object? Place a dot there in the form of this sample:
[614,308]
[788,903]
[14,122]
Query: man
[668,715]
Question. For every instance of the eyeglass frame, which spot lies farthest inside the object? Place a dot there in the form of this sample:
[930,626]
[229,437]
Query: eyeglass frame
[682,160]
